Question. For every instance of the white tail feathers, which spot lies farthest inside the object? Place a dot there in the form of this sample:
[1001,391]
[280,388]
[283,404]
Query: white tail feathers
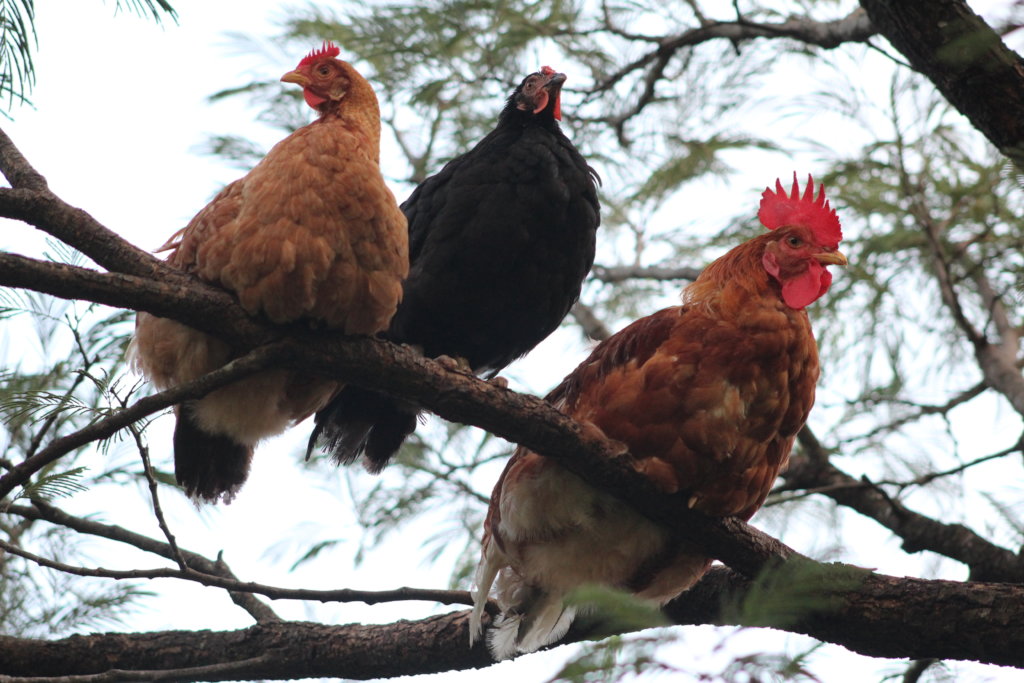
[531,618]
[545,623]
[538,618]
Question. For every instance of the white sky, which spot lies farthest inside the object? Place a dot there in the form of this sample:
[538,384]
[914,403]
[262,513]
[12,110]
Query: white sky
[120,105]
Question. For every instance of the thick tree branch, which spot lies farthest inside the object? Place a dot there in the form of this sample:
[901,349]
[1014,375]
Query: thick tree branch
[886,615]
[537,425]
[965,59]
[942,619]
[209,308]
[16,169]
[75,227]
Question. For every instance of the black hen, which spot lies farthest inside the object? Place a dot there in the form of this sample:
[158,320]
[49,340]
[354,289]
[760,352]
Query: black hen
[499,244]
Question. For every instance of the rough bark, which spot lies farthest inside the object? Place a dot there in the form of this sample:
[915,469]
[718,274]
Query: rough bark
[965,59]
[881,616]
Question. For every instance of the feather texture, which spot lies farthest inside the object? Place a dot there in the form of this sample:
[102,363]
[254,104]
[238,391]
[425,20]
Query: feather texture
[311,234]
[500,241]
[707,396]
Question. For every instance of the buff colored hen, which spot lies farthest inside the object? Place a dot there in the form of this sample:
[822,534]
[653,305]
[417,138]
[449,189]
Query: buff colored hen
[311,234]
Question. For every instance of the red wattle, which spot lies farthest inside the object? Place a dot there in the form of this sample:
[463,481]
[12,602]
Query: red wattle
[803,290]
[312,99]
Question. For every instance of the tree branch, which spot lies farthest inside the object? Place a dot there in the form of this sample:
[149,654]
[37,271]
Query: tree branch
[593,327]
[987,561]
[855,27]
[208,572]
[44,210]
[119,419]
[16,169]
[209,309]
[965,59]
[997,360]
[376,364]
[439,643]
[941,619]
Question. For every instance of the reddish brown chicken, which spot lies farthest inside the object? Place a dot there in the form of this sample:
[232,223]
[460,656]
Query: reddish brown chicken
[312,233]
[708,397]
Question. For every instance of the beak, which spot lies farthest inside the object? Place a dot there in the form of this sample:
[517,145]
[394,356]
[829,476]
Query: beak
[295,77]
[831,258]
[556,80]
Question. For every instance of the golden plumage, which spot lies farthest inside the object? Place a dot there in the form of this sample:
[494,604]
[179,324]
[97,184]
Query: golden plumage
[312,234]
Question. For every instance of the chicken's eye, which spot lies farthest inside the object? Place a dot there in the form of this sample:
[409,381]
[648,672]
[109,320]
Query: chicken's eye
[324,70]
[794,241]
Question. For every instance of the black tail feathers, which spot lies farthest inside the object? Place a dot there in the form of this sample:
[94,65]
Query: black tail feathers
[210,467]
[361,422]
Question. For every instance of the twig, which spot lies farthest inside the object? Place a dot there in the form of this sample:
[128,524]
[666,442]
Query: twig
[147,468]
[205,571]
[922,411]
[925,479]
[95,572]
[119,419]
[998,361]
[455,482]
[917,668]
[51,419]
[855,27]
[403,594]
[943,272]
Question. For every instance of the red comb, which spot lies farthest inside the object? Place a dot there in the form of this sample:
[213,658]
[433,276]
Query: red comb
[547,71]
[779,209]
[328,49]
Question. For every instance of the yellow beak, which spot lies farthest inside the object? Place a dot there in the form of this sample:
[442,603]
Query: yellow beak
[831,258]
[295,77]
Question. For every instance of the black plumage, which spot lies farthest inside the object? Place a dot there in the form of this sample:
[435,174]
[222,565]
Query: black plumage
[500,241]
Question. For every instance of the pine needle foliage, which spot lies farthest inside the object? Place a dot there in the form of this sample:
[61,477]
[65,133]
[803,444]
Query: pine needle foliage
[71,381]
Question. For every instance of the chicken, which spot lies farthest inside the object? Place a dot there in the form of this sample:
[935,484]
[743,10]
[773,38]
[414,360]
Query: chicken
[500,241]
[708,398]
[311,234]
